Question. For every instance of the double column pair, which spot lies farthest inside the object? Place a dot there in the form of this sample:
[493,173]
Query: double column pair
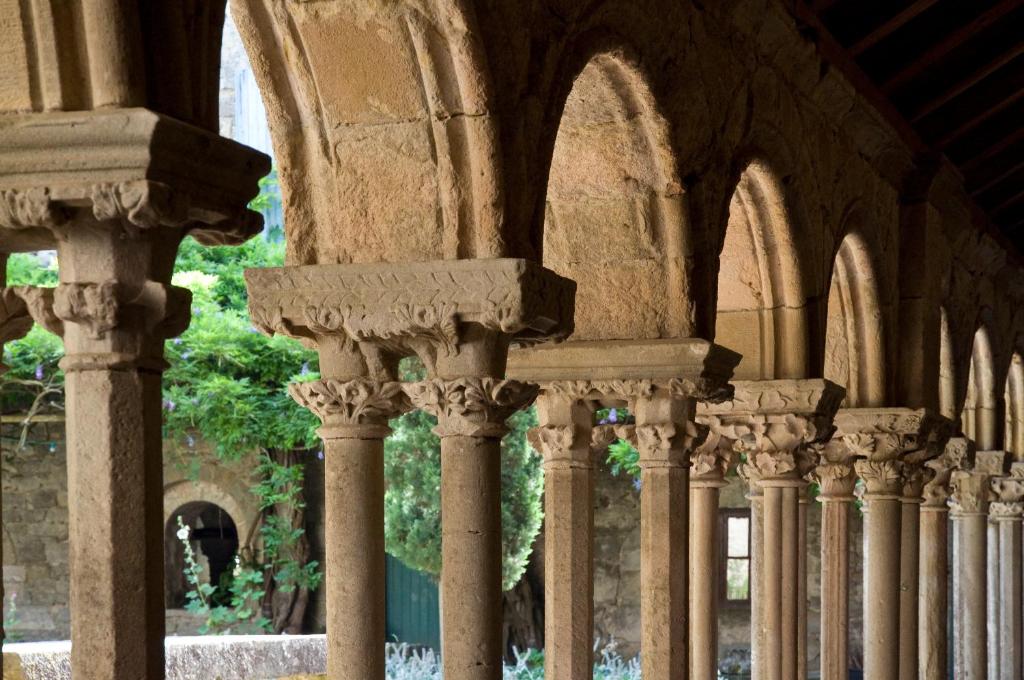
[116,228]
[459,318]
[659,382]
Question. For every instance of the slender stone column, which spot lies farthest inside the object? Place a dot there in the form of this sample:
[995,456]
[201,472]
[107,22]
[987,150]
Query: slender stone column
[471,414]
[969,512]
[915,476]
[666,435]
[117,227]
[355,413]
[459,317]
[15,322]
[757,634]
[1007,512]
[933,598]
[710,462]
[836,481]
[882,437]
[801,597]
[563,439]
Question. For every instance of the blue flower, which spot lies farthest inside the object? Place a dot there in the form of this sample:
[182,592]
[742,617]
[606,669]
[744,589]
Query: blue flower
[176,341]
[186,354]
[636,483]
[252,329]
[169,405]
[613,416]
[305,369]
[320,454]
[190,440]
[39,371]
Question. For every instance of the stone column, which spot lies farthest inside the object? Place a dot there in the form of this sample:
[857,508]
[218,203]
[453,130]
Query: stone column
[801,596]
[969,512]
[117,230]
[459,317]
[882,437]
[15,322]
[836,482]
[755,495]
[666,435]
[355,412]
[915,476]
[933,599]
[782,418]
[709,464]
[1007,511]
[563,439]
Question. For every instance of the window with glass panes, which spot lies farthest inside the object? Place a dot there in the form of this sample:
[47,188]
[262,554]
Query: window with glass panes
[734,565]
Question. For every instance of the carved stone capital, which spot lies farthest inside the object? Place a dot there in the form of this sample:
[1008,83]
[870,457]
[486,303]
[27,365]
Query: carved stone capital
[882,478]
[915,477]
[56,169]
[155,309]
[562,446]
[710,461]
[601,437]
[835,473]
[667,445]
[358,408]
[471,407]
[419,307]
[958,453]
[1008,492]
[15,320]
[787,467]
[880,434]
[972,488]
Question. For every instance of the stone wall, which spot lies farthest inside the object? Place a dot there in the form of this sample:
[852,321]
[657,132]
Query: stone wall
[35,524]
[617,574]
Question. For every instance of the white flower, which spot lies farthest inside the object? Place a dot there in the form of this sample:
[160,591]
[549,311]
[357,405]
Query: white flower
[183,533]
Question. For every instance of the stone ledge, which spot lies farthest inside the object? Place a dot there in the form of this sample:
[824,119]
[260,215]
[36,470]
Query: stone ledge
[224,657]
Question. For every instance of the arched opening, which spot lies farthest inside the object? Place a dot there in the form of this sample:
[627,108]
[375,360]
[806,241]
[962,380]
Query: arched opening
[213,538]
[854,355]
[1015,407]
[981,416]
[613,208]
[761,312]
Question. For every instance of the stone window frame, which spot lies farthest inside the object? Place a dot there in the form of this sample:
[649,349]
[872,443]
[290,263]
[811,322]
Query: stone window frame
[724,514]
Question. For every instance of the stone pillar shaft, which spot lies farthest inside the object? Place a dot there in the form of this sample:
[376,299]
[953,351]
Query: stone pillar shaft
[1007,515]
[781,545]
[354,413]
[882,611]
[563,439]
[971,621]
[801,596]
[933,605]
[757,637]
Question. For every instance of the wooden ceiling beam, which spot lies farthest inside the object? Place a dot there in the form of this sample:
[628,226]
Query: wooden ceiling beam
[886,29]
[994,181]
[975,77]
[977,119]
[948,44]
[1008,203]
[993,149]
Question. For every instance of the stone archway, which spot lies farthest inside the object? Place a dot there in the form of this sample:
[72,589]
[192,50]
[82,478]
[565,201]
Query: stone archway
[214,539]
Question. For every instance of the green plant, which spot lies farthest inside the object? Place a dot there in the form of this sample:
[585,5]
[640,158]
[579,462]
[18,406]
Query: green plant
[11,619]
[241,613]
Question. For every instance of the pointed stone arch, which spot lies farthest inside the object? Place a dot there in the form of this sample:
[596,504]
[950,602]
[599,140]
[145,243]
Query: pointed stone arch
[1014,398]
[855,341]
[614,214]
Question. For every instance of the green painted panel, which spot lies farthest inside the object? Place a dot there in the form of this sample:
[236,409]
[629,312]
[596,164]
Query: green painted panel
[413,612]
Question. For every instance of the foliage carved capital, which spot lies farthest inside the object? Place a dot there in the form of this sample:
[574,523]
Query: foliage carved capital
[358,407]
[958,453]
[1008,493]
[880,434]
[882,478]
[666,445]
[471,407]
[562,446]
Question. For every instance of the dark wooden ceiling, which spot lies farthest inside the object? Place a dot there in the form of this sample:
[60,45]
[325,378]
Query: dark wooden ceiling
[952,71]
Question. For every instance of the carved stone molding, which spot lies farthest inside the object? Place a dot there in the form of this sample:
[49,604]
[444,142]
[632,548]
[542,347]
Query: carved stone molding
[810,398]
[958,453]
[157,309]
[915,477]
[710,461]
[352,408]
[627,370]
[56,168]
[471,407]
[601,437]
[1008,491]
[412,307]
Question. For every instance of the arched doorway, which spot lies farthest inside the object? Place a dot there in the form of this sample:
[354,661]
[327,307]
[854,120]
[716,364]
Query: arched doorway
[214,540]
